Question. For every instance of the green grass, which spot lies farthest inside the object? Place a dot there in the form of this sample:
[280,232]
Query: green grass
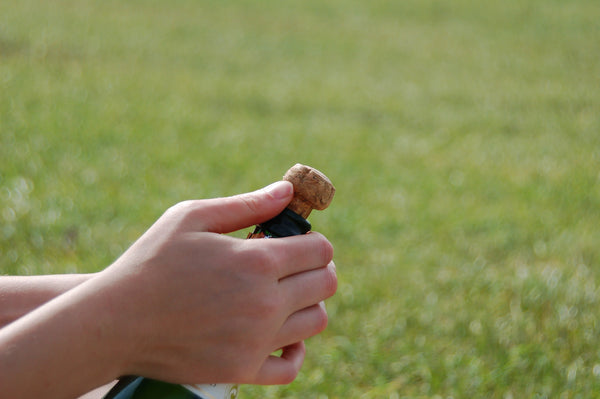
[463,138]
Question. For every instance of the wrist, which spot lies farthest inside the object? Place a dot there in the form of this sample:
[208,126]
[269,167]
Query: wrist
[72,335]
[20,295]
[114,320]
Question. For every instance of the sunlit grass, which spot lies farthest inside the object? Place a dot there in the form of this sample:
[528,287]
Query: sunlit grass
[463,139]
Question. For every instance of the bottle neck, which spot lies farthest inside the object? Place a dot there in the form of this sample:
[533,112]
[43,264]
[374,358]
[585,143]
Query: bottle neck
[287,223]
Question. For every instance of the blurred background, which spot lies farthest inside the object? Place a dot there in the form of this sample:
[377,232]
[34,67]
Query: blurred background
[463,138]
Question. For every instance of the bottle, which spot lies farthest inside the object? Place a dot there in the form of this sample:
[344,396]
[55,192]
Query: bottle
[133,387]
[312,190]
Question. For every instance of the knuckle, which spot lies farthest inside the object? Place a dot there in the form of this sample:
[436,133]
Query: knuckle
[289,375]
[182,210]
[261,259]
[325,248]
[239,371]
[181,207]
[330,280]
[269,306]
[244,367]
[321,319]
[251,202]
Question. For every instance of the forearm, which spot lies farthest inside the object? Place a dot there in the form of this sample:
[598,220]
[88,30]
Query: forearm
[20,295]
[63,348]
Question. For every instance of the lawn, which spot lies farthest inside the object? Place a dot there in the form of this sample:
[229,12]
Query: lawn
[463,138]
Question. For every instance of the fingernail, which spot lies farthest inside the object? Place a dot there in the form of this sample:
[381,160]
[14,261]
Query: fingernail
[322,305]
[280,190]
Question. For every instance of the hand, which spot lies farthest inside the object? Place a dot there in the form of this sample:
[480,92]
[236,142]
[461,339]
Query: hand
[202,307]
[184,304]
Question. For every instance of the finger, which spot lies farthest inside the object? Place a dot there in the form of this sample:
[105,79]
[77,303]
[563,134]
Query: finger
[302,290]
[224,215]
[296,254]
[302,325]
[284,369]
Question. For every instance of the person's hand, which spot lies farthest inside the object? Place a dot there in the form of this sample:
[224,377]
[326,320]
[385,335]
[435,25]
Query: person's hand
[184,304]
[197,306]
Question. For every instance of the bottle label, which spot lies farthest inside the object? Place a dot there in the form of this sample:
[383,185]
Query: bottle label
[214,391]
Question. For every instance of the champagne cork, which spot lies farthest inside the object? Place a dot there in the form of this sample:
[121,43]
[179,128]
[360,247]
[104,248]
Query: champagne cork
[312,189]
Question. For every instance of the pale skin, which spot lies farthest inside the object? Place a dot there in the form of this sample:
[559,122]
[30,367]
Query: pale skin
[184,304]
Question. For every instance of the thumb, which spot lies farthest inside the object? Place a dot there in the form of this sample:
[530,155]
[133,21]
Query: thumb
[224,215]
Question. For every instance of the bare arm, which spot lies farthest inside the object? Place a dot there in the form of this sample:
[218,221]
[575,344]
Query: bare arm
[60,349]
[20,295]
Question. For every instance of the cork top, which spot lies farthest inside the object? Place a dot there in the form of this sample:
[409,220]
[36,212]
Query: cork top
[312,189]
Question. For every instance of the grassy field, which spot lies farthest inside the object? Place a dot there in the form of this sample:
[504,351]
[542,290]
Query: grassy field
[463,138]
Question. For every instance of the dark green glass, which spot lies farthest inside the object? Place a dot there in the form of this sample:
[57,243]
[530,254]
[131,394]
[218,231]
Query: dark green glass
[147,388]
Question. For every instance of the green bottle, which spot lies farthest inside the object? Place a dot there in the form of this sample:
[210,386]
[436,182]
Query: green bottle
[312,190]
[146,388]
